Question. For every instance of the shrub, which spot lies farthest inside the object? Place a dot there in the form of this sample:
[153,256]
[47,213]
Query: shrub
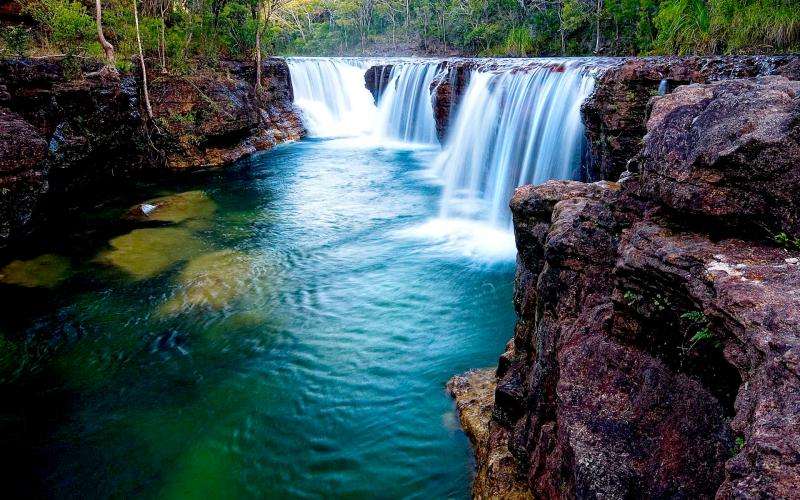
[67,23]
[16,40]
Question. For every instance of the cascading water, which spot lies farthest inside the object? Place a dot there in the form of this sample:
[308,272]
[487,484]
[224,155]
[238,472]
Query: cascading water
[514,126]
[518,122]
[331,94]
[404,111]
[335,102]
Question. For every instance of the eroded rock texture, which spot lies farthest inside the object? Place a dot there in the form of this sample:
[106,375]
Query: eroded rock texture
[65,128]
[615,114]
[657,348]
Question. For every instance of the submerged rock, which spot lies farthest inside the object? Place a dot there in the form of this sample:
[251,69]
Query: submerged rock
[211,280]
[175,208]
[144,253]
[46,270]
[651,358]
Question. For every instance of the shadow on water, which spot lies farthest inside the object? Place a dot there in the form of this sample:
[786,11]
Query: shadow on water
[275,332]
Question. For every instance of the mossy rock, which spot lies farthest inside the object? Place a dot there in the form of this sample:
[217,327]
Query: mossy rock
[175,208]
[212,280]
[46,271]
[144,253]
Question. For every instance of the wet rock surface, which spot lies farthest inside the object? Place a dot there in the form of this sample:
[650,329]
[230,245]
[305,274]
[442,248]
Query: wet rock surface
[657,344]
[65,129]
[376,78]
[447,91]
[616,113]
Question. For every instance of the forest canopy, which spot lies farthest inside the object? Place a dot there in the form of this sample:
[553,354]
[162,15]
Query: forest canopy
[178,31]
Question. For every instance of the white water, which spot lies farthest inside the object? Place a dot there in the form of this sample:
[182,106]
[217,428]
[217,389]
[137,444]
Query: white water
[518,123]
[512,128]
[332,96]
[405,112]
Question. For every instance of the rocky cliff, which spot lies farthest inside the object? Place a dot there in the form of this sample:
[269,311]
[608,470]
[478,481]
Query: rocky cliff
[616,113]
[65,128]
[657,347]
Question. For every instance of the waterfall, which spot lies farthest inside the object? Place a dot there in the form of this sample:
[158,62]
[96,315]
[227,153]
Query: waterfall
[334,100]
[405,112]
[332,96]
[515,126]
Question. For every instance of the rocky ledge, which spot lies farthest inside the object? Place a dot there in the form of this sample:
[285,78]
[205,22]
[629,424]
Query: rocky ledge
[657,347]
[65,128]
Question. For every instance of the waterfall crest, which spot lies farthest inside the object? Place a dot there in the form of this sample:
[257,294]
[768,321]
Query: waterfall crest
[514,126]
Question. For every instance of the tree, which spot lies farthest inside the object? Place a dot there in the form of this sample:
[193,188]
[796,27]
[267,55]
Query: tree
[266,11]
[141,61]
[108,49]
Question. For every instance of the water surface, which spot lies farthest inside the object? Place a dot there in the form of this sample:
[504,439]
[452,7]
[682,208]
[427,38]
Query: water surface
[285,329]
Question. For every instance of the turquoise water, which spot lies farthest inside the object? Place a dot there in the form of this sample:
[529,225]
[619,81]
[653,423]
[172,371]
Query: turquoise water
[284,329]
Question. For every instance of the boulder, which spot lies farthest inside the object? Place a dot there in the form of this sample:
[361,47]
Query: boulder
[22,172]
[615,114]
[728,152]
[447,89]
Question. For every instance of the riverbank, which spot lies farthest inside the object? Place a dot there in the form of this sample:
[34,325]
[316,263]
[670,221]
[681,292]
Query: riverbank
[66,130]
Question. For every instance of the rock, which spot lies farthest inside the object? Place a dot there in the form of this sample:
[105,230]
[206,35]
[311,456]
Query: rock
[144,253]
[616,113]
[447,89]
[728,152]
[651,358]
[376,78]
[210,120]
[23,173]
[497,475]
[211,280]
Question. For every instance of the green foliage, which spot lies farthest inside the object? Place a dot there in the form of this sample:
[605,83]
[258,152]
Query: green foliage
[786,241]
[738,445]
[519,42]
[16,40]
[203,32]
[630,297]
[65,23]
[698,326]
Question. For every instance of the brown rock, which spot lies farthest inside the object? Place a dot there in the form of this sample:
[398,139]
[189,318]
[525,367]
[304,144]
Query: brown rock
[616,113]
[376,78]
[651,359]
[728,151]
[447,90]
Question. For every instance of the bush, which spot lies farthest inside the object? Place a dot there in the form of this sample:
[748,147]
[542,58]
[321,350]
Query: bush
[16,40]
[67,23]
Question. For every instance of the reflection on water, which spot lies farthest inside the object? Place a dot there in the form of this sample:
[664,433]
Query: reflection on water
[267,332]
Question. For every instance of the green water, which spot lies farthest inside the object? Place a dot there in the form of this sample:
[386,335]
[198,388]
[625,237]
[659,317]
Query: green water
[282,329]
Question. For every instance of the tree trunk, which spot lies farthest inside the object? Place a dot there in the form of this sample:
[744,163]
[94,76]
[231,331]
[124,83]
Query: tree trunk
[257,86]
[597,45]
[163,44]
[107,47]
[141,61]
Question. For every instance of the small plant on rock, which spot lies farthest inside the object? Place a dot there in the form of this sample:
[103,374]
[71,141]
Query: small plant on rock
[786,241]
[697,325]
